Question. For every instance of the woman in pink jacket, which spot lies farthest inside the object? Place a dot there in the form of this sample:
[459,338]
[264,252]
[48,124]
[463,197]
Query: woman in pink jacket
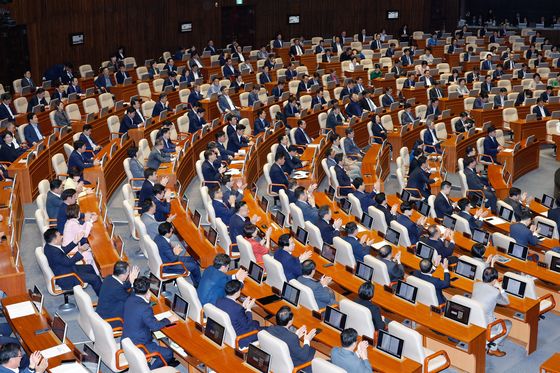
[73,227]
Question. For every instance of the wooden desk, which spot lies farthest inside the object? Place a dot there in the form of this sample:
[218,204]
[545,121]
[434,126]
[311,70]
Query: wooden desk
[523,129]
[124,92]
[454,151]
[551,365]
[482,116]
[309,60]
[384,83]
[419,94]
[283,53]
[408,139]
[556,139]
[328,66]
[521,162]
[456,105]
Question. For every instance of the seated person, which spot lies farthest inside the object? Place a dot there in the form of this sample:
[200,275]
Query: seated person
[364,298]
[523,232]
[407,116]
[433,144]
[290,263]
[301,137]
[518,201]
[277,175]
[366,199]
[361,247]
[214,279]
[8,151]
[394,266]
[260,248]
[500,99]
[480,100]
[414,229]
[475,182]
[306,203]
[115,290]
[540,110]
[443,243]
[442,203]
[464,123]
[352,357]
[344,182]
[390,213]
[419,178]
[475,221]
[323,295]
[328,230]
[378,131]
[425,273]
[491,145]
[433,108]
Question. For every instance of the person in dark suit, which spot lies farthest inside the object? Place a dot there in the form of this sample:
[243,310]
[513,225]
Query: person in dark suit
[277,41]
[420,179]
[366,103]
[121,75]
[140,323]
[277,175]
[161,198]
[222,209]
[433,108]
[261,124]
[210,48]
[213,281]
[300,355]
[170,65]
[26,81]
[475,221]
[327,56]
[364,297]
[464,123]
[353,109]
[32,132]
[265,76]
[378,131]
[442,203]
[211,174]
[366,199]
[487,63]
[127,122]
[334,118]
[291,109]
[361,247]
[475,182]
[147,189]
[91,147]
[300,135]
[195,96]
[474,75]
[431,141]
[328,230]
[196,118]
[291,264]
[239,314]
[546,95]
[171,81]
[38,99]
[414,229]
[394,266]
[238,141]
[160,106]
[406,58]
[53,198]
[486,86]
[73,87]
[491,145]
[68,197]
[103,81]
[171,254]
[229,70]
[324,296]
[480,100]
[443,244]
[436,92]
[516,200]
[296,49]
[61,264]
[304,85]
[410,81]
[306,203]
[77,158]
[540,110]
[6,111]
[387,99]
[523,232]
[13,359]
[278,90]
[425,273]
[554,213]
[115,290]
[381,204]
[344,181]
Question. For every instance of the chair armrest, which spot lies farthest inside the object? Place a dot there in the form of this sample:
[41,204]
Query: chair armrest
[549,297]
[119,352]
[300,367]
[71,274]
[242,336]
[165,277]
[489,337]
[427,360]
[275,185]
[479,191]
[375,138]
[415,190]
[111,319]
[486,157]
[208,182]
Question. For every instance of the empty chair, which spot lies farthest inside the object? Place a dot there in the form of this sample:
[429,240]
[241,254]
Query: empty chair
[546,302]
[106,346]
[500,240]
[20,105]
[59,165]
[379,222]
[73,112]
[297,217]
[85,308]
[90,106]
[106,100]
[137,360]
[315,238]
[323,366]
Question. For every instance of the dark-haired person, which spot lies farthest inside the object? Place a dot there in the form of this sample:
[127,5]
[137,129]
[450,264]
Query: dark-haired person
[140,323]
[364,297]
[115,290]
[157,156]
[32,131]
[103,81]
[414,229]
[442,242]
[360,248]
[148,211]
[8,151]
[491,145]
[477,252]
[68,197]
[161,106]
[260,248]
[282,330]
[366,199]
[342,177]
[91,147]
[170,254]
[150,180]
[37,99]
[394,267]
[419,178]
[382,205]
[78,159]
[488,293]
[442,203]
[161,198]
[222,209]
[6,111]
[320,288]
[465,207]
[425,273]
[277,175]
[53,198]
[475,182]
[127,122]
[238,141]
[291,264]
[306,203]
[352,356]
[239,219]
[523,232]
[213,281]
[136,168]
[61,264]
[11,356]
[540,110]
[261,124]
[518,201]
[328,230]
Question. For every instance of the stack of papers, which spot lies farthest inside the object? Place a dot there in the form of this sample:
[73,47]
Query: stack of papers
[380,244]
[163,315]
[238,161]
[20,309]
[61,349]
[495,220]
[233,171]
[69,368]
[507,150]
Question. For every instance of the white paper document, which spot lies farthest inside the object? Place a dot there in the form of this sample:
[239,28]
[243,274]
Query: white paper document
[70,368]
[61,349]
[163,315]
[20,309]
[380,244]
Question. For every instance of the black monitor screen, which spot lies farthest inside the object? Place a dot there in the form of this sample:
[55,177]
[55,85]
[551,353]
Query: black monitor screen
[518,251]
[392,236]
[367,221]
[212,236]
[330,193]
[301,235]
[424,209]
[180,306]
[214,331]
[328,252]
[263,203]
[555,264]
[449,222]
[364,271]
[256,272]
[37,298]
[405,195]
[155,285]
[424,251]
[258,359]
[457,312]
[514,287]
[345,205]
[505,213]
[406,291]
[90,360]
[290,294]
[58,326]
[335,318]
[465,269]
[547,201]
[545,229]
[390,344]
[481,236]
[196,218]
[279,218]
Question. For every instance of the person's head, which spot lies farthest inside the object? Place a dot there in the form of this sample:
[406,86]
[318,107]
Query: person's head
[380,199]
[56,186]
[250,230]
[366,291]
[241,208]
[284,317]
[80,146]
[433,232]
[464,204]
[426,266]
[32,118]
[300,194]
[293,150]
[492,131]
[10,355]
[359,184]
[525,217]
[308,268]
[325,213]
[165,229]
[210,155]
[150,174]
[130,112]
[489,275]
[349,132]
[280,158]
[159,144]
[221,262]
[286,242]
[141,287]
[148,206]
[515,193]
[233,289]
[158,191]
[73,211]
[338,158]
[351,228]
[470,162]
[478,250]
[349,338]
[540,102]
[462,81]
[406,208]
[121,270]
[386,252]
[446,187]
[69,196]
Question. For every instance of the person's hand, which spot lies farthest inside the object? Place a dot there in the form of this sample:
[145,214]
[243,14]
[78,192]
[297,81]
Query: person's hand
[96,162]
[362,350]
[377,185]
[437,260]
[363,239]
[79,237]
[231,200]
[255,219]
[310,335]
[523,196]
[445,264]
[94,218]
[304,163]
[87,216]
[249,303]
[37,362]
[394,209]
[301,331]
[241,274]
[164,180]
[312,188]
[336,224]
[269,232]
[134,272]
[325,281]
[173,318]
[533,228]
[398,257]
[170,218]
[306,255]
[370,242]
[177,250]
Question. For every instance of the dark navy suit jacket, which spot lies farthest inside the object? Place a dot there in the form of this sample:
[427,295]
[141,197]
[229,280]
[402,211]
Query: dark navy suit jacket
[139,321]
[290,264]
[112,297]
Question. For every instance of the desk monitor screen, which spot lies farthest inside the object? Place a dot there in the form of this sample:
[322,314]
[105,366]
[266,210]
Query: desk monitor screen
[263,204]
[457,312]
[59,327]
[180,306]
[364,271]
[545,230]
[465,269]
[345,205]
[196,218]
[328,252]
[279,218]
[518,251]
[212,236]
[406,291]
[555,264]
[258,359]
[330,193]
[256,272]
[290,294]
[405,195]
[301,235]
[449,222]
[214,331]
[367,221]
[335,318]
[514,287]
[424,251]
[424,209]
[547,201]
[392,236]
[36,297]
[90,360]
[389,344]
[155,285]
[476,200]
[481,236]
[505,213]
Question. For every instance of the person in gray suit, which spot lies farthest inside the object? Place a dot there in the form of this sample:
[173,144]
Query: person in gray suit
[61,117]
[489,293]
[226,104]
[323,295]
[136,168]
[148,210]
[157,157]
[352,356]
[53,198]
[394,266]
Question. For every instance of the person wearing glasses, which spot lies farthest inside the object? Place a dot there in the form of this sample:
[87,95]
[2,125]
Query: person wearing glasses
[11,356]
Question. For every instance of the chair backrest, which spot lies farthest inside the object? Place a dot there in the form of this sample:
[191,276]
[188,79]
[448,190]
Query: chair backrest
[462,225]
[344,254]
[480,266]
[73,112]
[305,101]
[20,105]
[275,273]
[144,90]
[323,366]
[188,292]
[245,251]
[154,259]
[280,360]
[549,255]
[420,111]
[113,124]
[45,269]
[426,291]
[222,318]
[412,347]
[148,108]
[552,223]
[293,86]
[183,123]
[224,240]
[477,315]
[297,217]
[85,308]
[68,149]
[468,103]
[105,345]
[315,238]
[500,240]
[59,164]
[357,317]
[355,206]
[510,114]
[284,204]
[380,272]
[404,239]
[463,181]
[441,131]
[42,220]
[158,85]
[306,297]
[106,100]
[379,222]
[44,186]
[292,134]
[431,203]
[90,105]
[17,85]
[387,122]
[136,359]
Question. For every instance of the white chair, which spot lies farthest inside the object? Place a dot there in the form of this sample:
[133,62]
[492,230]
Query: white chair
[379,222]
[500,240]
[413,349]
[431,203]
[106,346]
[130,218]
[85,308]
[344,254]
[297,217]
[426,291]
[546,302]
[156,265]
[188,292]
[552,223]
[148,108]
[380,272]
[404,239]
[222,318]
[224,240]
[275,272]
[480,266]
[315,238]
[20,104]
[355,206]
[137,362]
[323,366]
[246,252]
[306,297]
[462,224]
[357,317]
[280,360]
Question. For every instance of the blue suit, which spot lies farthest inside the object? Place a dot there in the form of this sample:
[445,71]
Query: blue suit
[290,111]
[554,214]
[73,89]
[387,100]
[212,285]
[414,230]
[224,153]
[241,319]
[223,211]
[5,114]
[163,208]
[112,297]
[430,139]
[327,231]
[419,179]
[127,123]
[290,264]
[438,284]
[236,224]
[318,100]
[522,234]
[477,183]
[491,147]
[104,83]
[276,92]
[409,83]
[265,78]
[168,256]
[299,354]
[277,176]
[53,204]
[343,180]
[358,249]
[88,146]
[209,172]
[260,126]
[323,295]
[473,222]
[310,213]
[140,323]
[195,122]
[301,138]
[158,109]
[442,206]
[354,109]
[78,160]
[194,97]
[432,110]
[236,142]
[366,199]
[146,192]
[440,247]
